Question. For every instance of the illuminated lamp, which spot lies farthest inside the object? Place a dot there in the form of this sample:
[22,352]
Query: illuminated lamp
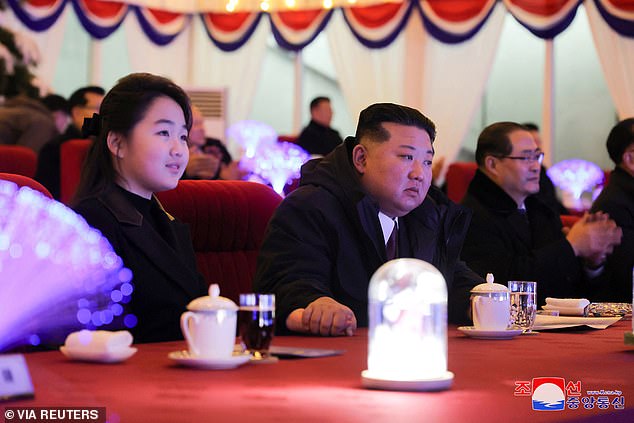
[574,177]
[57,274]
[268,161]
[407,347]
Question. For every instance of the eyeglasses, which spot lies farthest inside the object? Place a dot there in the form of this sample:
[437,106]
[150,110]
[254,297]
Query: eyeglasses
[529,158]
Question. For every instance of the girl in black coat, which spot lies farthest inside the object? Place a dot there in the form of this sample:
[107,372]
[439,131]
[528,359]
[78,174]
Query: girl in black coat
[141,148]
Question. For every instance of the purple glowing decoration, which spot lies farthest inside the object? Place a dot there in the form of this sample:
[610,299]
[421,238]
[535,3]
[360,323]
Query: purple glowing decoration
[576,176]
[269,161]
[250,136]
[57,274]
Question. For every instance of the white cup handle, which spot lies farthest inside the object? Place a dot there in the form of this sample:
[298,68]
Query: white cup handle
[185,318]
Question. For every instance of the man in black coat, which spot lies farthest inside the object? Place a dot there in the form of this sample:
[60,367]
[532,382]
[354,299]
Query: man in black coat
[330,235]
[318,137]
[514,235]
[82,103]
[617,199]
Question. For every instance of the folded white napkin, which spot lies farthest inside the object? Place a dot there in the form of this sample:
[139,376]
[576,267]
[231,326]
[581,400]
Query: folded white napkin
[567,306]
[98,341]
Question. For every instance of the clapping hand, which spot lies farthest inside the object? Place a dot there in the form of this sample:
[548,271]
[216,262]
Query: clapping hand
[594,237]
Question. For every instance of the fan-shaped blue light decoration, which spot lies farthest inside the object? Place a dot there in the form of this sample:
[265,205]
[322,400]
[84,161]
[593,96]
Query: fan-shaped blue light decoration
[57,274]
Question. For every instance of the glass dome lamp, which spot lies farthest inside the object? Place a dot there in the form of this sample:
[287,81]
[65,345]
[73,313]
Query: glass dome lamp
[407,337]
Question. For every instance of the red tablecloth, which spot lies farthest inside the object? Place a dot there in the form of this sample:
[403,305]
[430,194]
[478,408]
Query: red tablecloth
[150,388]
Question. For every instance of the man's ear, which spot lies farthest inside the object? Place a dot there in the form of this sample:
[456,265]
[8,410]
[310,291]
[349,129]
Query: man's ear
[114,141]
[359,157]
[490,164]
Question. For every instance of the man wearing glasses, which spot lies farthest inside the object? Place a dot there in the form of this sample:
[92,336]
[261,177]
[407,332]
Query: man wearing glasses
[514,235]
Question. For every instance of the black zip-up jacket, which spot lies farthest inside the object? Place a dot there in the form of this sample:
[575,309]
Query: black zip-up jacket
[325,240]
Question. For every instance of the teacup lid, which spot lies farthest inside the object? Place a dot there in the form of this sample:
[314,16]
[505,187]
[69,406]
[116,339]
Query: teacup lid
[212,302]
[489,286]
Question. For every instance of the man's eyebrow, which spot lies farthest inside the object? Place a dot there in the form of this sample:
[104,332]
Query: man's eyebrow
[411,147]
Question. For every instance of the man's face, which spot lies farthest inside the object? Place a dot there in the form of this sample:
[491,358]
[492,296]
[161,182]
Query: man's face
[396,173]
[322,114]
[93,102]
[197,133]
[518,178]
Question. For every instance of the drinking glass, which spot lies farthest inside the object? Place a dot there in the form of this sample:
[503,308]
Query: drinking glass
[523,304]
[256,323]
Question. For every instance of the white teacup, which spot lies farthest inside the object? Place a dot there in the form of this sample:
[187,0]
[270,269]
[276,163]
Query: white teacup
[491,313]
[210,325]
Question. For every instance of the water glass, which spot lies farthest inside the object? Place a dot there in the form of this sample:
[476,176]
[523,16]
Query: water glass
[523,304]
[256,323]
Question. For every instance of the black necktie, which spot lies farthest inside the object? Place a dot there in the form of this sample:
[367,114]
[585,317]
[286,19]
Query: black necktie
[391,247]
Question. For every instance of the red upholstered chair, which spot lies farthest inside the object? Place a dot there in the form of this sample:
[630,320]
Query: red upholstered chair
[72,154]
[568,220]
[287,138]
[18,159]
[25,181]
[458,177]
[227,220]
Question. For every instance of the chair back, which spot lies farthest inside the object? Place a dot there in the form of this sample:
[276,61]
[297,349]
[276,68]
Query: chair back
[72,155]
[288,138]
[458,178]
[25,181]
[227,220]
[18,160]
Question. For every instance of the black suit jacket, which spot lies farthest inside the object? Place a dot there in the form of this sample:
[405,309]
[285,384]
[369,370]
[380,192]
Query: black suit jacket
[617,199]
[164,274]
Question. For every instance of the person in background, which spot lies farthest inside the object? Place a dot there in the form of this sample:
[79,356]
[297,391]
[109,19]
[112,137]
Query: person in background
[367,202]
[141,148]
[514,235]
[208,157]
[82,103]
[547,192]
[60,109]
[617,200]
[318,137]
[27,122]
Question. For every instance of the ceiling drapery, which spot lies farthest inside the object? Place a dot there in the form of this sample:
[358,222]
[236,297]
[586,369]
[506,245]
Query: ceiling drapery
[374,25]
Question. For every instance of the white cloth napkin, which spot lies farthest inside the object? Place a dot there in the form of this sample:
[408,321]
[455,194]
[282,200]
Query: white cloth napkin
[567,306]
[98,341]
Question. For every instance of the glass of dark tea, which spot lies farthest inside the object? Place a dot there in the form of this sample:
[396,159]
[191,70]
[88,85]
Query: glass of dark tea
[256,323]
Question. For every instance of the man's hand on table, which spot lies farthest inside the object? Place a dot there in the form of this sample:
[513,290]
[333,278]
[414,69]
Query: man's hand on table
[325,317]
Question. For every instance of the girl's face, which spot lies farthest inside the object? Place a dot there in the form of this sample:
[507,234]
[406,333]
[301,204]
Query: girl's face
[154,156]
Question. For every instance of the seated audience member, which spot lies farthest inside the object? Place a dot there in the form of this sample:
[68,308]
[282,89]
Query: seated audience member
[82,103]
[60,109]
[318,137]
[208,157]
[367,202]
[617,200]
[200,165]
[27,122]
[141,148]
[514,235]
[547,192]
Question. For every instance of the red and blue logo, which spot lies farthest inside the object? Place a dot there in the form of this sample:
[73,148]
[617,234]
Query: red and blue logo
[549,394]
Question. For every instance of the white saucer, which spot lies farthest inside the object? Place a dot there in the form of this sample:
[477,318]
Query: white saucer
[99,356]
[490,334]
[186,359]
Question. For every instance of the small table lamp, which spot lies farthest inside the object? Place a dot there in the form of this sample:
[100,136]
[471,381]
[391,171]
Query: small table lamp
[407,347]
